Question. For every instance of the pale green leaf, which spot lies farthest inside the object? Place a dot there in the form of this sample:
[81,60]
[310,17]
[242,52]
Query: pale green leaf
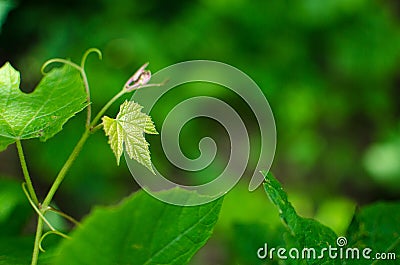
[150,128]
[128,129]
[42,113]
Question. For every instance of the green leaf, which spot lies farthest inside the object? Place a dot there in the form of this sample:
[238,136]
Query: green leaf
[128,128]
[141,230]
[303,232]
[377,227]
[42,113]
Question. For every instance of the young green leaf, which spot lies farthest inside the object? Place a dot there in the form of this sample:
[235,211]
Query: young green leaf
[141,230]
[303,232]
[42,113]
[129,128]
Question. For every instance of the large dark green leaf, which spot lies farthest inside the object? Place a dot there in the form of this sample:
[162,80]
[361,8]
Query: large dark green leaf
[141,230]
[42,113]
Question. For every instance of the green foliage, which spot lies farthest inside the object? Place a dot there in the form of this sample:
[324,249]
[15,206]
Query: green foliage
[141,230]
[329,69]
[15,212]
[174,233]
[304,233]
[42,113]
[374,226]
[127,130]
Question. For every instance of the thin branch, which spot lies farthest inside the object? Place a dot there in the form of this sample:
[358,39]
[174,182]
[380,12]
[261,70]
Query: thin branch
[28,180]
[50,233]
[62,214]
[36,208]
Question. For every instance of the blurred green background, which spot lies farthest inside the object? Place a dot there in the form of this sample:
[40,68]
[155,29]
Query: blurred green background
[330,70]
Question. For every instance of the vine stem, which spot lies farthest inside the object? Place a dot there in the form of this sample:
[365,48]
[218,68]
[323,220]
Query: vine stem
[52,191]
[61,175]
[66,216]
[89,107]
[77,150]
[86,83]
[36,249]
[25,172]
[65,168]
[105,108]
[81,69]
[40,212]
[91,127]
